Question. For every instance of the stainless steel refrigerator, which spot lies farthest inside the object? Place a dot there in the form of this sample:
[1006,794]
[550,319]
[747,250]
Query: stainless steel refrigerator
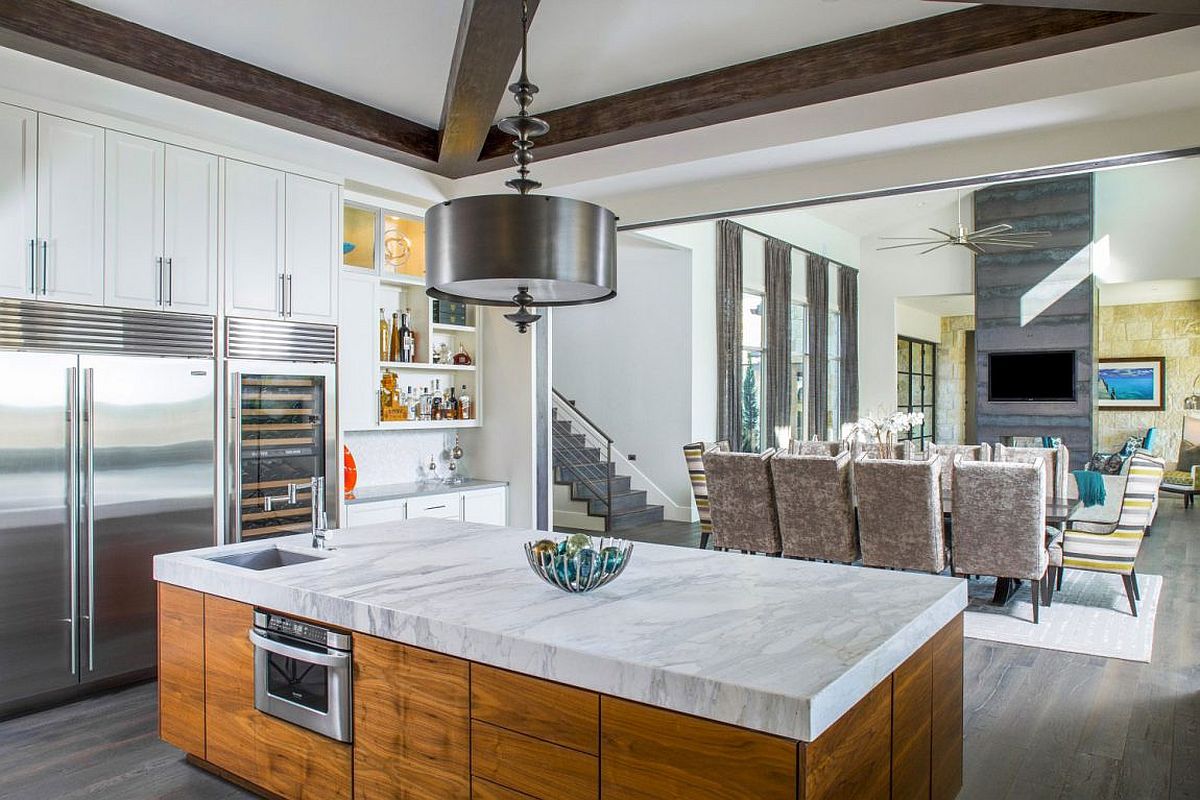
[105,460]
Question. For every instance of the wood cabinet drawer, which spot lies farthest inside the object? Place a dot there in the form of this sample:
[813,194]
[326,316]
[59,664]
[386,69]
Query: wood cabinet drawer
[542,709]
[528,765]
[486,790]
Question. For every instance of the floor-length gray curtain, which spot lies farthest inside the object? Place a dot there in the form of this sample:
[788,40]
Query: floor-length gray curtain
[848,307]
[729,332]
[818,345]
[777,390]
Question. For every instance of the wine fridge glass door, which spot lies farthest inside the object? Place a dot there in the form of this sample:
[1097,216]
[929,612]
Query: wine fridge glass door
[281,429]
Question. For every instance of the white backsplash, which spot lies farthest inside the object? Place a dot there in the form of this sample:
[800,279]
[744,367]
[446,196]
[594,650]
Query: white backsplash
[385,457]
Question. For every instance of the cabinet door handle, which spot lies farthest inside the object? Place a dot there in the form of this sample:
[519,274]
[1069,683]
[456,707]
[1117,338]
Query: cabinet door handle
[282,297]
[170,282]
[45,259]
[289,294]
[158,289]
[33,266]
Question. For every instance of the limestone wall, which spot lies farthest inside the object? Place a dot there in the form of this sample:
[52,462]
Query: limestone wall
[952,379]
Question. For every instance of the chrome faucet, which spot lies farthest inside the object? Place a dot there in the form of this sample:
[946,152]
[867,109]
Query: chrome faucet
[320,520]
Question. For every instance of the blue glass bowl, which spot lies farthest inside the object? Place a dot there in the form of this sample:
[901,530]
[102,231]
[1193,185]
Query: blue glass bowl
[582,570]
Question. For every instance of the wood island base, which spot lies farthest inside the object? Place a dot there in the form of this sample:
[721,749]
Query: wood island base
[428,725]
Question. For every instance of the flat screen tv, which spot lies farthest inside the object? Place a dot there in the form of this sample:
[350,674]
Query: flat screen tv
[1032,376]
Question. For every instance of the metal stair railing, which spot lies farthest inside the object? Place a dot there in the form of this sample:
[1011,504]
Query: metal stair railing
[568,454]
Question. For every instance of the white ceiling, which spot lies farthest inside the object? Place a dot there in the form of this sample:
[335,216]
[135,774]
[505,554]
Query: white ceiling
[584,49]
[390,54]
[395,54]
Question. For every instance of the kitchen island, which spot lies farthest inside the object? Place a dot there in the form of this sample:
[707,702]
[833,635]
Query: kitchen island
[694,674]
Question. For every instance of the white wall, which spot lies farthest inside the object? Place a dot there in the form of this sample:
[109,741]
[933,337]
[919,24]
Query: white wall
[700,238]
[504,447]
[627,362]
[917,322]
[1148,222]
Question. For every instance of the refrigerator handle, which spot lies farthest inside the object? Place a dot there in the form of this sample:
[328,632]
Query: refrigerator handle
[88,495]
[235,469]
[73,506]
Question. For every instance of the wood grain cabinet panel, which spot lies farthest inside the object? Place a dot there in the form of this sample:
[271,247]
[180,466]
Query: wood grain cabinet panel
[853,757]
[532,766]
[542,709]
[947,734]
[650,753]
[412,723]
[229,687]
[912,703]
[181,668]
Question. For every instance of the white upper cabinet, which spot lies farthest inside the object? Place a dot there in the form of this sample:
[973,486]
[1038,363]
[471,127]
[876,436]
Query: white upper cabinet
[134,274]
[191,215]
[18,201]
[313,249]
[254,246]
[70,202]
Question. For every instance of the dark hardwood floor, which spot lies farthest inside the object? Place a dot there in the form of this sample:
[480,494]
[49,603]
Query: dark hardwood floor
[1039,723]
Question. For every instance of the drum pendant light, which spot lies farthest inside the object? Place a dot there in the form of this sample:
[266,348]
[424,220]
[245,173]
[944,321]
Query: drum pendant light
[521,249]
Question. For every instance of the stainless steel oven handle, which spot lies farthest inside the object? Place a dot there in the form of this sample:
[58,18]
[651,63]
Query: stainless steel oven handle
[298,653]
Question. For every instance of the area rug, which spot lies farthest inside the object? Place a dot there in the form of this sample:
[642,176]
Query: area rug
[1090,615]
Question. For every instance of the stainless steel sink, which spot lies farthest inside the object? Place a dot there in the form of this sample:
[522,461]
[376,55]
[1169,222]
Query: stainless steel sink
[267,558]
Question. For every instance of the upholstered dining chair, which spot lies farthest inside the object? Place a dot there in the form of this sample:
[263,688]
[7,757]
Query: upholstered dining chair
[1057,464]
[693,454]
[802,448]
[900,513]
[898,451]
[1000,522]
[1113,548]
[742,502]
[947,453]
[815,506]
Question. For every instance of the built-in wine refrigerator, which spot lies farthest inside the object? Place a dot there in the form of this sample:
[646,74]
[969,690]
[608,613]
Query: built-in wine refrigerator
[282,425]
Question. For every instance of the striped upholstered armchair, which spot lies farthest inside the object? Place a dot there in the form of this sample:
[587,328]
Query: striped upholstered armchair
[1113,548]
[693,454]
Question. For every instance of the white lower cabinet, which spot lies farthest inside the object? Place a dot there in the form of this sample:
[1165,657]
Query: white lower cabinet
[440,506]
[478,505]
[486,505]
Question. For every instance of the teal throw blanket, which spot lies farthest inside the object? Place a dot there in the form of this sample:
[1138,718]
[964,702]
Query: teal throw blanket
[1091,487]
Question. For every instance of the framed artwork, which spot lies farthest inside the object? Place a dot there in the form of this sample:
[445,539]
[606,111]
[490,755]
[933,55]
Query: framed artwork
[1131,384]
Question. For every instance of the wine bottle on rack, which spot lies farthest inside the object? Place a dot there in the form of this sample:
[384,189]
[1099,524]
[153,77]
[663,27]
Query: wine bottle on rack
[394,347]
[384,338]
[408,340]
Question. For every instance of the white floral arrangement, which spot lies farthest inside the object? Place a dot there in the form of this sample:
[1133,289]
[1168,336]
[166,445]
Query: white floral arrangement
[882,429]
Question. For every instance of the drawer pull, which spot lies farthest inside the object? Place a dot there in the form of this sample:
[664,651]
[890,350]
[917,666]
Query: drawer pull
[431,508]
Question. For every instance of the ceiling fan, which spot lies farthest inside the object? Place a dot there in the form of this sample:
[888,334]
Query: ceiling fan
[999,235]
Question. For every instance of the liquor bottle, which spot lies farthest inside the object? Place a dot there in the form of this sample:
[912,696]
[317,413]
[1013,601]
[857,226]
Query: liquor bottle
[412,403]
[465,410]
[452,406]
[384,338]
[426,403]
[435,407]
[401,406]
[394,347]
[408,341]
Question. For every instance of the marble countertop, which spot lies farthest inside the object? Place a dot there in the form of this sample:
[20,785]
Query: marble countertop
[401,491]
[775,645]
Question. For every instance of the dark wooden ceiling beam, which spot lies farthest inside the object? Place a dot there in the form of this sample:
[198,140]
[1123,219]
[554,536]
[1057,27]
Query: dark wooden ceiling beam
[82,37]
[489,42]
[960,42]
[1127,6]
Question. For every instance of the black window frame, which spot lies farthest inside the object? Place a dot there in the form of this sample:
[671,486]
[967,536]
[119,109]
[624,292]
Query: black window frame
[928,381]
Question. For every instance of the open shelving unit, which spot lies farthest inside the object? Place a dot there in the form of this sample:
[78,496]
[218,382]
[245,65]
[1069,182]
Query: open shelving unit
[395,292]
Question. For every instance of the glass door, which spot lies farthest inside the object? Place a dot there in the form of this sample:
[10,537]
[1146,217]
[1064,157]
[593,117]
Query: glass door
[281,444]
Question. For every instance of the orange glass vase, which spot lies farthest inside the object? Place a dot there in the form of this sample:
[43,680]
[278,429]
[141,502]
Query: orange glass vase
[349,471]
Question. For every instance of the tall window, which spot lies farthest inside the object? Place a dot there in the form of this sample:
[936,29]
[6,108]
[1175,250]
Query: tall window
[799,367]
[916,362]
[753,319]
[834,420]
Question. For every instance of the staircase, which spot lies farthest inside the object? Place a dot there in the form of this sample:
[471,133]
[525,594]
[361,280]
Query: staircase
[583,464]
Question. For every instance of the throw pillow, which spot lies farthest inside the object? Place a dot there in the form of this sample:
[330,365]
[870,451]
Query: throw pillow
[1113,465]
